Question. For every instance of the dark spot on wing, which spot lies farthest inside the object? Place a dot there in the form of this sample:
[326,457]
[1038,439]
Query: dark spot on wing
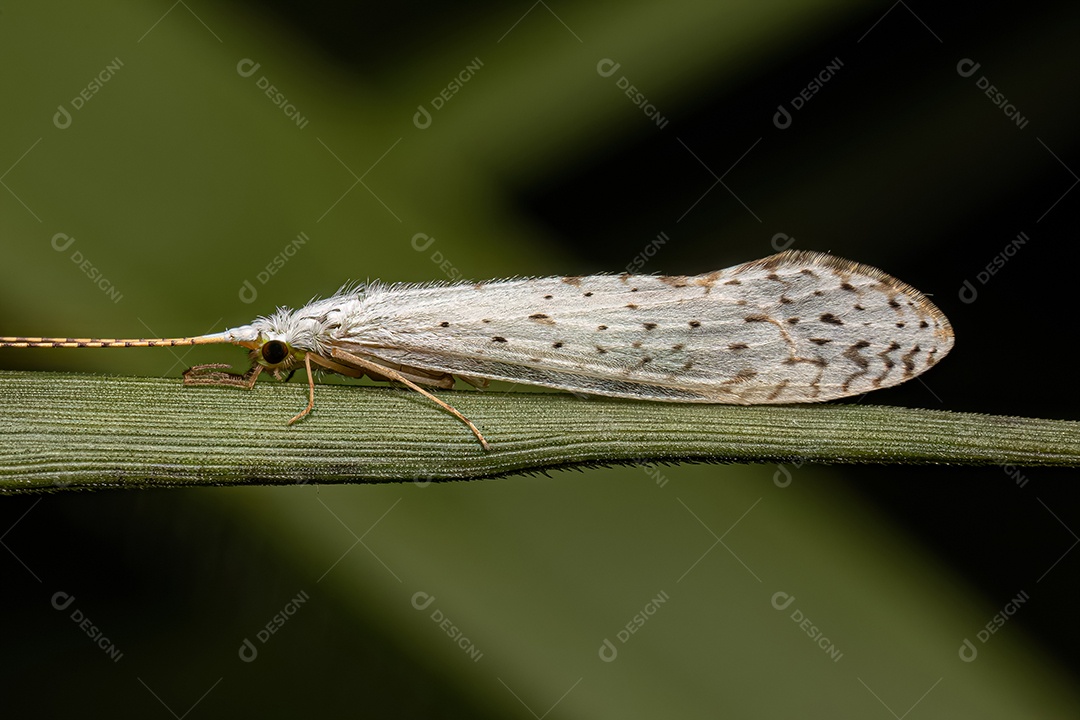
[852,354]
[884,355]
[783,383]
[742,376]
[909,361]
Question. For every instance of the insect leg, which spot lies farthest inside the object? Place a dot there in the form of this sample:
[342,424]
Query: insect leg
[199,375]
[311,390]
[355,361]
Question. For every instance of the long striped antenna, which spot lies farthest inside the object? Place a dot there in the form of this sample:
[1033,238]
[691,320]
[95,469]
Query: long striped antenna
[235,336]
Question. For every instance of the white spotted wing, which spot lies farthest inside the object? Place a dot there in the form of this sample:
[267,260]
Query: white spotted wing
[793,327]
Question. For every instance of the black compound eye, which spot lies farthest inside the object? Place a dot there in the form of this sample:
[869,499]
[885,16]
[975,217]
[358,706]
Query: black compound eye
[274,351]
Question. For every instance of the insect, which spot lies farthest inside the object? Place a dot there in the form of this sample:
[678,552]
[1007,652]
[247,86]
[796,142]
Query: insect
[790,328]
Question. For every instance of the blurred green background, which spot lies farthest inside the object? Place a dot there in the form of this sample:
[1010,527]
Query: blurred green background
[151,186]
